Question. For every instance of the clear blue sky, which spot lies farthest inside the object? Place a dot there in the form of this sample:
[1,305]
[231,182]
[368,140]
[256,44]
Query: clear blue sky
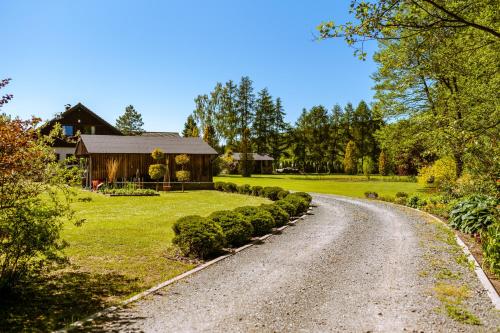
[158,55]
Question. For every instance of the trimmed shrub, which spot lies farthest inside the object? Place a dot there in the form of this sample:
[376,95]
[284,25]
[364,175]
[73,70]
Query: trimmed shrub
[371,195]
[271,192]
[262,222]
[230,187]
[219,186]
[248,210]
[198,236]
[256,190]
[283,194]
[236,227]
[304,195]
[299,203]
[280,216]
[401,195]
[287,207]
[244,189]
[473,214]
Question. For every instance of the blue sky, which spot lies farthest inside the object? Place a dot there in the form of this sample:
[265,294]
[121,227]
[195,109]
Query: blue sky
[158,55]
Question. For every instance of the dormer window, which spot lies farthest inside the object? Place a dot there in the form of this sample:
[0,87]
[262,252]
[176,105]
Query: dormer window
[68,130]
[89,130]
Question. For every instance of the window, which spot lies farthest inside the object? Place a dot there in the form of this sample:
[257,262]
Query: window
[89,129]
[68,130]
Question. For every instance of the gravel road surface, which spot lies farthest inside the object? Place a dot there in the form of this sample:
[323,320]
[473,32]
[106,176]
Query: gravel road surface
[353,266]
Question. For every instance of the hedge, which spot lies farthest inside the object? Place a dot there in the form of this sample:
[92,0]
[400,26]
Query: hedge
[281,217]
[236,227]
[198,236]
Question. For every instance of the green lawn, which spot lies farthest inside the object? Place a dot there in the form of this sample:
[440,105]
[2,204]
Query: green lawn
[123,248]
[352,186]
[132,235]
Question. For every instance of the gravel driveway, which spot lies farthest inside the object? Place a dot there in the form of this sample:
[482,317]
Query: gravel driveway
[355,266]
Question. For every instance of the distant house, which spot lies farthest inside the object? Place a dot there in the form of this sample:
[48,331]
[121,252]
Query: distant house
[262,163]
[133,154]
[77,119]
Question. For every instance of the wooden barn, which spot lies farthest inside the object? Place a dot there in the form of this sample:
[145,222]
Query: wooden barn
[133,154]
[262,163]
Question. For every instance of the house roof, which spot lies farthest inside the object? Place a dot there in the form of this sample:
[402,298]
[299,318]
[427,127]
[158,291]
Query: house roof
[256,157]
[115,144]
[80,107]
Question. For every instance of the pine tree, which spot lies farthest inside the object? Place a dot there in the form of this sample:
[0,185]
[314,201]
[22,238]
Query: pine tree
[227,118]
[350,166]
[210,137]
[245,105]
[262,124]
[383,165]
[246,160]
[336,139]
[279,129]
[190,128]
[130,123]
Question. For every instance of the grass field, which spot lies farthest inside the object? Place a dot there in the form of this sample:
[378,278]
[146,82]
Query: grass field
[121,249]
[132,235]
[353,186]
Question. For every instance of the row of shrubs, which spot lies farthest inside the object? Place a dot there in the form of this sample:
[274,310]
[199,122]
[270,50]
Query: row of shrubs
[128,191]
[477,215]
[203,237]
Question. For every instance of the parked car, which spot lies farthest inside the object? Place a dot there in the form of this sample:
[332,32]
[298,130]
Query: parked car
[287,170]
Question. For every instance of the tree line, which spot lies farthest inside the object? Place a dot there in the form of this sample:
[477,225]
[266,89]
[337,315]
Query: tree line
[437,79]
[232,118]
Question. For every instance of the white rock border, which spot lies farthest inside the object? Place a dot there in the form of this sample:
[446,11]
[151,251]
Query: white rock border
[91,318]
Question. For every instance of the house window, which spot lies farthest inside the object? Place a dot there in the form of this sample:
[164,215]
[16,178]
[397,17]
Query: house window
[89,130]
[68,130]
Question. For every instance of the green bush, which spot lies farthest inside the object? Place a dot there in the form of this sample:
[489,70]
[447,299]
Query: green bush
[473,214]
[400,200]
[262,222]
[236,227]
[304,195]
[230,187]
[271,192]
[299,203]
[248,210]
[371,195]
[415,202]
[219,186]
[256,190]
[491,247]
[283,194]
[244,189]
[280,216]
[287,207]
[401,195]
[198,236]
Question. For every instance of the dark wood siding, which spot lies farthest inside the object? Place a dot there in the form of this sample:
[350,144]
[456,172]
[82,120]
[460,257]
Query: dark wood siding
[81,119]
[200,166]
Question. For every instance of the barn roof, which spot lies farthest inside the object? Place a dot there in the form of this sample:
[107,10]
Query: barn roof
[114,144]
[256,157]
[168,134]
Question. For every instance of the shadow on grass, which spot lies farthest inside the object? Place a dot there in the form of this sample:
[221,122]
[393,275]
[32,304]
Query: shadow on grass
[49,303]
